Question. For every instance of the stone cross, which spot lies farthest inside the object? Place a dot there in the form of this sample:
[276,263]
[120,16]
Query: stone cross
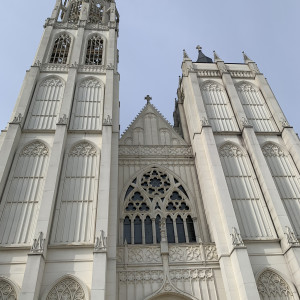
[148,98]
[199,48]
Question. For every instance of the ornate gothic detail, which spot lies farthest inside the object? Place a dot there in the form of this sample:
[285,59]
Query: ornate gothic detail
[53,82]
[272,150]
[96,27]
[37,64]
[120,256]
[185,254]
[241,74]
[246,122]
[185,55]
[211,86]
[209,73]
[65,25]
[273,286]
[211,252]
[91,69]
[101,242]
[108,121]
[91,83]
[56,68]
[67,289]
[38,245]
[7,292]
[230,150]
[236,238]
[176,254]
[205,122]
[191,274]
[156,151]
[83,149]
[132,276]
[63,120]
[144,255]
[291,237]
[110,66]
[35,149]
[17,119]
[163,230]
[284,123]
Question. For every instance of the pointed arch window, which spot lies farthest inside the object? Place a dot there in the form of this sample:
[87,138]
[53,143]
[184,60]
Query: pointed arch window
[75,10]
[248,202]
[151,198]
[60,51]
[218,107]
[87,109]
[94,51]
[75,211]
[7,291]
[255,107]
[96,12]
[22,195]
[46,105]
[286,178]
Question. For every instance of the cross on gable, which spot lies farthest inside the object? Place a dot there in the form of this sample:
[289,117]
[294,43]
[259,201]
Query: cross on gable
[148,98]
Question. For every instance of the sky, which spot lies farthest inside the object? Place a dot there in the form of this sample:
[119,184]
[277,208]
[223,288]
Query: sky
[152,37]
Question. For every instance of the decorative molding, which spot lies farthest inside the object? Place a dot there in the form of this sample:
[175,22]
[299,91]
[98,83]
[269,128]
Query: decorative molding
[7,291]
[63,120]
[211,252]
[143,162]
[49,22]
[138,276]
[108,121]
[65,25]
[236,238]
[38,245]
[110,66]
[90,83]
[178,150]
[98,26]
[291,237]
[205,122]
[101,242]
[191,274]
[245,122]
[230,150]
[241,74]
[57,68]
[91,69]
[272,150]
[144,255]
[284,123]
[83,149]
[185,254]
[209,73]
[17,119]
[35,149]
[74,65]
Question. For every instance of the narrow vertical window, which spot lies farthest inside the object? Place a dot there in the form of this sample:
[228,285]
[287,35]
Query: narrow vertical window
[127,230]
[180,230]
[191,229]
[75,10]
[148,231]
[138,237]
[157,226]
[94,51]
[170,230]
[96,12]
[61,50]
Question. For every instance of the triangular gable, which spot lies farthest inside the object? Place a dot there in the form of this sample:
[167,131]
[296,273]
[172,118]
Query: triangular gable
[151,128]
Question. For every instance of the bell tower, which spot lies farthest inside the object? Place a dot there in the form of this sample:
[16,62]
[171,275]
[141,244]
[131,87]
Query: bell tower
[59,158]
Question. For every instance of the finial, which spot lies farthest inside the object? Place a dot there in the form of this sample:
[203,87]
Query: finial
[246,58]
[148,99]
[199,48]
[185,55]
[216,57]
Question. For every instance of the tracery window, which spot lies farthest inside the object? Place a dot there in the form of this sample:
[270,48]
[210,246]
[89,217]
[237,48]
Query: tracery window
[67,288]
[75,10]
[94,51]
[286,178]
[46,105]
[96,12]
[151,197]
[255,107]
[218,108]
[22,195]
[248,202]
[75,210]
[272,286]
[87,110]
[7,291]
[61,50]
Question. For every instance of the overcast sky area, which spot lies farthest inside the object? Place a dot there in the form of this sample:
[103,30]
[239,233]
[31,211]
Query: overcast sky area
[152,36]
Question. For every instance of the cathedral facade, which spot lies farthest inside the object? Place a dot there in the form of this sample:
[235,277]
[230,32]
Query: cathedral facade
[205,209]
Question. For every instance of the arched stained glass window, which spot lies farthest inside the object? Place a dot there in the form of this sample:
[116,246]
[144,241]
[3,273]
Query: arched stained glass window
[61,50]
[127,230]
[75,10]
[94,51]
[154,196]
[96,12]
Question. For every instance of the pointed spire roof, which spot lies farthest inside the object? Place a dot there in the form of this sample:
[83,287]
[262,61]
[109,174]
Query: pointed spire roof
[201,57]
[185,55]
[246,58]
[216,57]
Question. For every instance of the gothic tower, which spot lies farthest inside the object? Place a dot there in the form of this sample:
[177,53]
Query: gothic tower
[57,208]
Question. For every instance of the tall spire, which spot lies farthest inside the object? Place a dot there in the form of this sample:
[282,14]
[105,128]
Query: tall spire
[201,57]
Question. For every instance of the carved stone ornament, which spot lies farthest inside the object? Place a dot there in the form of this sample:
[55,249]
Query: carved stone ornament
[101,242]
[83,149]
[185,254]
[108,121]
[37,64]
[205,122]
[163,230]
[209,73]
[231,150]
[236,238]
[17,119]
[35,149]
[38,244]
[291,237]
[141,276]
[63,120]
[191,274]
[7,291]
[185,55]
[144,255]
[245,122]
[74,65]
[54,68]
[211,252]
[272,150]
[110,66]
[284,123]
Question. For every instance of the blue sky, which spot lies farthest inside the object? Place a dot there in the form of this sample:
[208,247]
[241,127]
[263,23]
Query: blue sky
[152,36]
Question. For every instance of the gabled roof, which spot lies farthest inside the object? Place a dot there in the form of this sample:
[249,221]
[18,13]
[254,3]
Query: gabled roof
[150,127]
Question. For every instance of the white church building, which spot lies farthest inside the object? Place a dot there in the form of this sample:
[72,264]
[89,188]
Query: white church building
[205,209]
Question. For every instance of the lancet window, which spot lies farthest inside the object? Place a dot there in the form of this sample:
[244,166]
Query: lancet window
[75,10]
[218,108]
[74,215]
[45,108]
[61,50]
[94,51]
[286,178]
[255,107]
[22,195]
[151,198]
[272,286]
[248,202]
[96,12]
[87,110]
